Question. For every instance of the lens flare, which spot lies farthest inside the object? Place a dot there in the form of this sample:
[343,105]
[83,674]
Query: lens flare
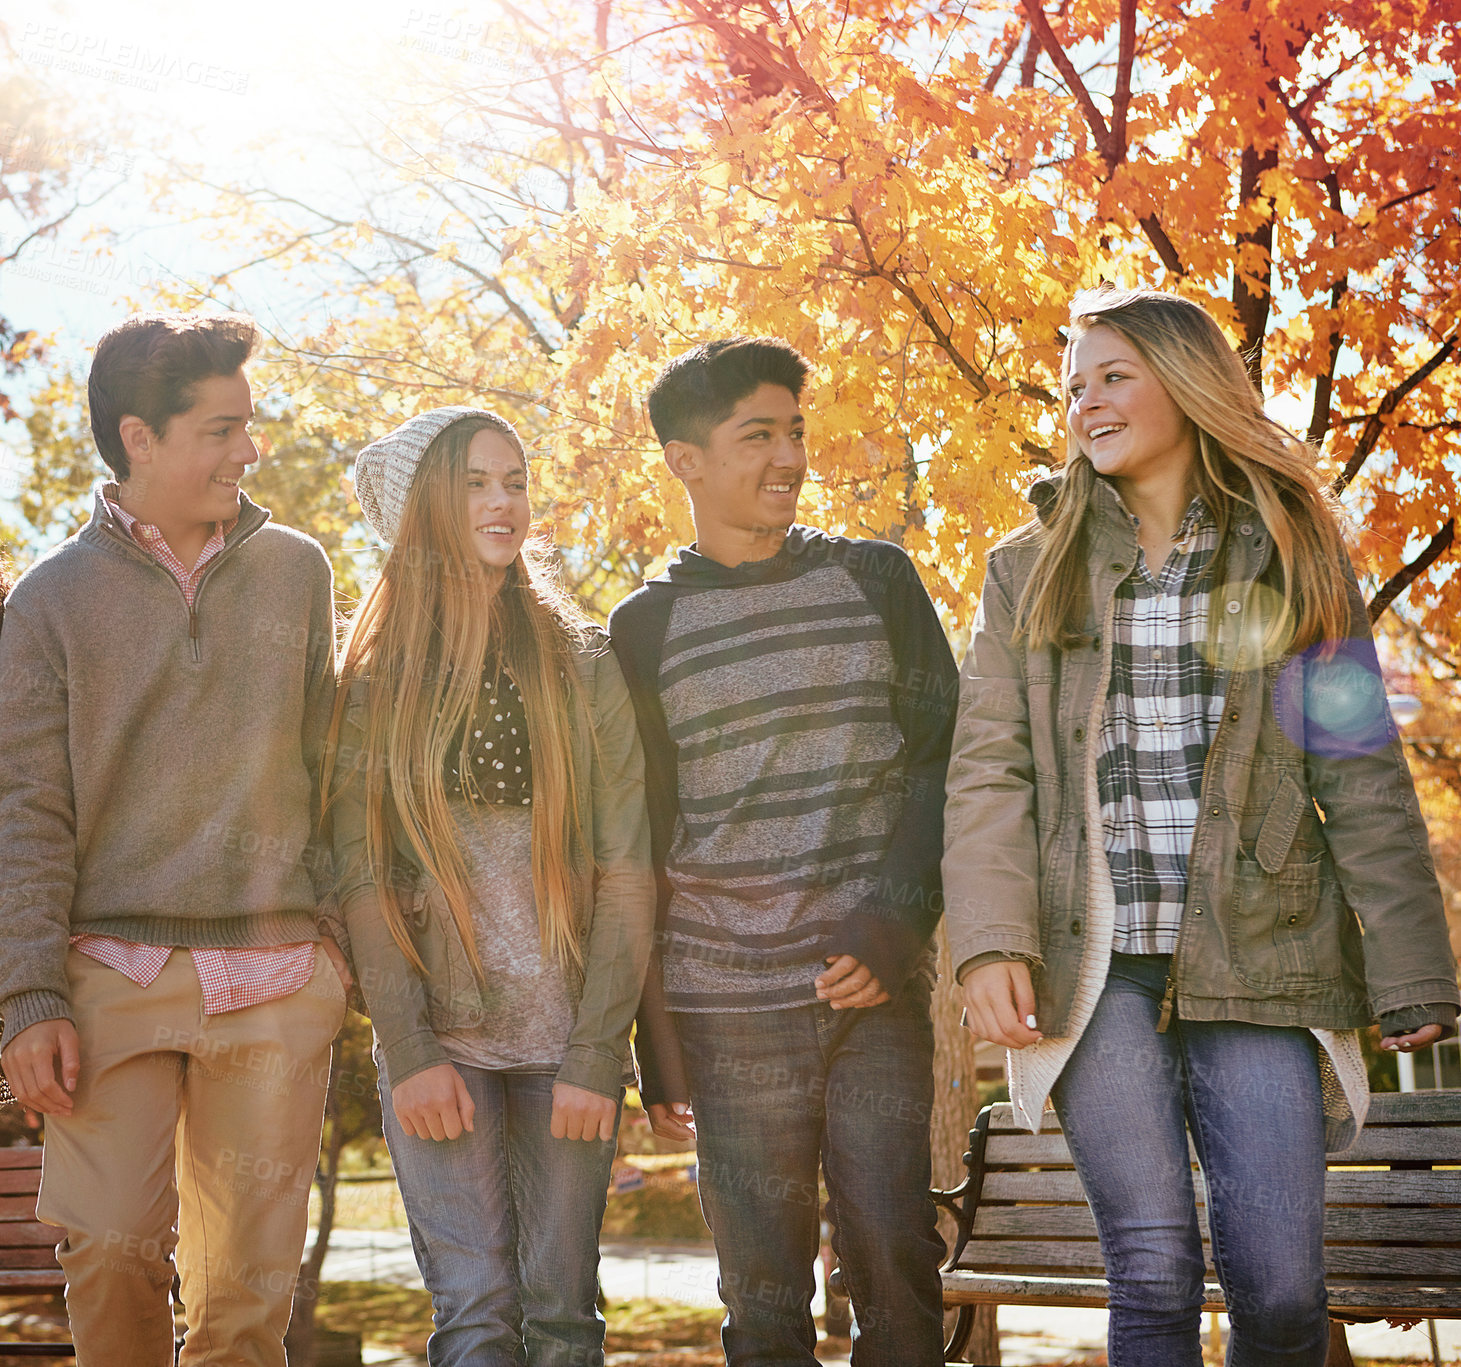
[1333,705]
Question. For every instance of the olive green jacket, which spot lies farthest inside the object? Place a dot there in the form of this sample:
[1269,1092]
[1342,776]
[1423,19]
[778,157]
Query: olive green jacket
[1312,899]
[615,904]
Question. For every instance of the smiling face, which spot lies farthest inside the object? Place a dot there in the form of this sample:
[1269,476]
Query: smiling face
[498,516]
[1122,417]
[187,476]
[746,479]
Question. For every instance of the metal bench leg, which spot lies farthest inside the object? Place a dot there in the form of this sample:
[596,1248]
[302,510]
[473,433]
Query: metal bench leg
[1338,1347]
[959,1334]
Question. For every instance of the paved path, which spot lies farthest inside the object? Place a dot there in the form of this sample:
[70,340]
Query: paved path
[686,1274]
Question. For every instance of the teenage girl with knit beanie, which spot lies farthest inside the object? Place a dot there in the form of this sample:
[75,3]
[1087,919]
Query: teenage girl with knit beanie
[1176,798]
[493,850]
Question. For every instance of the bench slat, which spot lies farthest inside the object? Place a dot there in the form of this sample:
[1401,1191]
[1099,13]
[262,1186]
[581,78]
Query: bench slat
[1345,1187]
[17,1208]
[1403,1143]
[1414,1108]
[964,1288]
[1384,1144]
[39,1279]
[31,1235]
[20,1180]
[1386,1108]
[22,1156]
[30,1257]
[1341,1224]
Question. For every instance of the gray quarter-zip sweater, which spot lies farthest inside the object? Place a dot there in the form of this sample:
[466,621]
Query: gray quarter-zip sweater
[159,766]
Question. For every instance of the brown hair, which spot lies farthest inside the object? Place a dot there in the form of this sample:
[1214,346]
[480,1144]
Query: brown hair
[1245,460]
[147,366]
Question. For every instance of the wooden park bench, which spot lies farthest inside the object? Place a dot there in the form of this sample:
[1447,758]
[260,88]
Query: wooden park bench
[1392,1221]
[28,1263]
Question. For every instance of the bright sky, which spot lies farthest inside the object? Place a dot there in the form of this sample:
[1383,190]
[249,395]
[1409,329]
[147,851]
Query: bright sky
[279,85]
[221,90]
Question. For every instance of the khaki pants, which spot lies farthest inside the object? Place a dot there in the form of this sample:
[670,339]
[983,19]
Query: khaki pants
[189,1131]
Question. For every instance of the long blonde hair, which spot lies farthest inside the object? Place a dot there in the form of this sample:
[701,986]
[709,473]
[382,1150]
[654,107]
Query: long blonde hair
[1245,460]
[419,642]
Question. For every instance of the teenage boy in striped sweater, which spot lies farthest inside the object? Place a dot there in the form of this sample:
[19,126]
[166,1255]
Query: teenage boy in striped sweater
[795,695]
[168,675]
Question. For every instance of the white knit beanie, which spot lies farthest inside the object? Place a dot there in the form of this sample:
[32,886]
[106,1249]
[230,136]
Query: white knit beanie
[384,469]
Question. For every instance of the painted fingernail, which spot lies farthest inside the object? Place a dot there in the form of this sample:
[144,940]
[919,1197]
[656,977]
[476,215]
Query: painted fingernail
[1030,1022]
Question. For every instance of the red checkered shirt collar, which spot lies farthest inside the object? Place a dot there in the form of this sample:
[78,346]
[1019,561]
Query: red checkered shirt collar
[151,539]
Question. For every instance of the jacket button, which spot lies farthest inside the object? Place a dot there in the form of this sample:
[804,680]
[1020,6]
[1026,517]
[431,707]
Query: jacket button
[1075,926]
[1245,529]
[1232,716]
[1118,567]
[1197,911]
[1293,920]
[1080,733]
[1214,811]
[473,1016]
[1234,605]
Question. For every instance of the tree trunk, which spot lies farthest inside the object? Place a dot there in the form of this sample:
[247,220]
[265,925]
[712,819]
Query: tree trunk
[955,1104]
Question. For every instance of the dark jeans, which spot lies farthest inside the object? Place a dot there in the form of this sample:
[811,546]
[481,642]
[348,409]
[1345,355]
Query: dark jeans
[774,1093]
[1251,1096]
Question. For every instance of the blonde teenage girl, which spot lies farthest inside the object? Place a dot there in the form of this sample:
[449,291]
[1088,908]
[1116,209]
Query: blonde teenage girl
[491,836]
[1183,856]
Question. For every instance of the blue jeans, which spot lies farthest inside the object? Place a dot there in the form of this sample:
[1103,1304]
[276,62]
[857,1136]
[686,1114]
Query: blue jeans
[774,1093]
[1251,1097]
[505,1225]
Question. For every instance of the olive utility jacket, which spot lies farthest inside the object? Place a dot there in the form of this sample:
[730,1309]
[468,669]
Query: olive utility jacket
[615,905]
[1312,899]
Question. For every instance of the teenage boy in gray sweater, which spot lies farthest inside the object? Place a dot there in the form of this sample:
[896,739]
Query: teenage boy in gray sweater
[168,674]
[795,695]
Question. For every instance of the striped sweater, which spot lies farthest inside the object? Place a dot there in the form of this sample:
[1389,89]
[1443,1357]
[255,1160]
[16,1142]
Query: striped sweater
[796,715]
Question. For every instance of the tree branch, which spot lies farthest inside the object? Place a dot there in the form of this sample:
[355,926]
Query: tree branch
[1126,55]
[1011,48]
[946,342]
[1375,424]
[1111,146]
[1319,420]
[1057,54]
[1403,578]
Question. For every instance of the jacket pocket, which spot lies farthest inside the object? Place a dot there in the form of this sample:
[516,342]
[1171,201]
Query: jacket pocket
[452,995]
[1286,926]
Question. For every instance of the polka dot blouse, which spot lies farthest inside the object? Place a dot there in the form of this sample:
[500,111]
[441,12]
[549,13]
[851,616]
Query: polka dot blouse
[499,762]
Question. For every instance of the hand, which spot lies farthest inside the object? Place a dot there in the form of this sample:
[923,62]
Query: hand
[672,1121]
[30,1066]
[1405,1044]
[1000,999]
[580,1114]
[849,983]
[342,964]
[434,1103]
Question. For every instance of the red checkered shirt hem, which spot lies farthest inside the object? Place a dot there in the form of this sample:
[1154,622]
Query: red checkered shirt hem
[231,979]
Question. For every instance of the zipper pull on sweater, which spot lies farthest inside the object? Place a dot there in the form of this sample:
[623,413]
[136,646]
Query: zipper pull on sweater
[193,634]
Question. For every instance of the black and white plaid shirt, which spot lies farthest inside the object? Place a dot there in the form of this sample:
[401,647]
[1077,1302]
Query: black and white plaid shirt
[1162,711]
